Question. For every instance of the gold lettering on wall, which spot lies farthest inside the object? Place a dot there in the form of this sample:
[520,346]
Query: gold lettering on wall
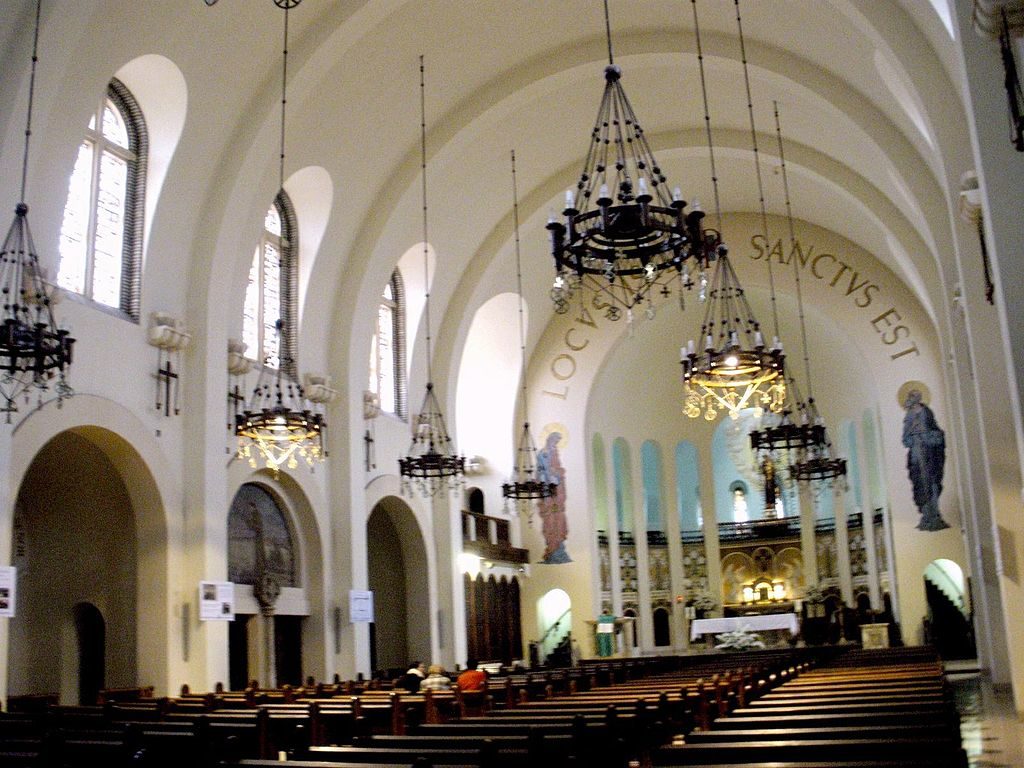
[567,368]
[840,276]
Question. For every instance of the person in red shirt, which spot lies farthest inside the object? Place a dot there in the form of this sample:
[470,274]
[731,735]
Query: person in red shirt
[472,679]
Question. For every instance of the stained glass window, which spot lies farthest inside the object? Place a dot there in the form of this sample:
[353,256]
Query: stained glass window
[100,237]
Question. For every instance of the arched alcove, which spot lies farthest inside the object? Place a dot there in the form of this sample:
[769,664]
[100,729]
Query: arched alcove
[397,575]
[77,544]
[949,622]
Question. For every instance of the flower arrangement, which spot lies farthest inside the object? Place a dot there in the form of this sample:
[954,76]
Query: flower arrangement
[742,639]
[703,602]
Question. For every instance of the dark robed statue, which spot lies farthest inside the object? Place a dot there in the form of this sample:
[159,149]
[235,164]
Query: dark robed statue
[926,459]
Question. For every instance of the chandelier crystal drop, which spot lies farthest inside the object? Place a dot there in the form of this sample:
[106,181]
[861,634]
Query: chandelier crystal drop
[624,235]
[278,426]
[526,485]
[34,350]
[432,464]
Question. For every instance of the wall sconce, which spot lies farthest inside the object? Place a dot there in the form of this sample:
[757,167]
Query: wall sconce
[169,336]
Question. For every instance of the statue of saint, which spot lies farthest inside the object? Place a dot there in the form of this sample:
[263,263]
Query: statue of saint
[926,458]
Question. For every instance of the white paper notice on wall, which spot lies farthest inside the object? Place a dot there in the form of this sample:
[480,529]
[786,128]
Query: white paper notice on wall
[8,583]
[216,601]
[360,605]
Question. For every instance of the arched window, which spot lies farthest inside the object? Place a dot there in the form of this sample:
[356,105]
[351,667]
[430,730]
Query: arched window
[740,511]
[101,233]
[270,294]
[387,352]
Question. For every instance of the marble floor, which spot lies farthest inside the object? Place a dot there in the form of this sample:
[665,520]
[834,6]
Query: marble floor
[993,735]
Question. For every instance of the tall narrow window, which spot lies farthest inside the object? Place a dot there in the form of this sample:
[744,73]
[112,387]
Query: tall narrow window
[270,294]
[101,233]
[387,351]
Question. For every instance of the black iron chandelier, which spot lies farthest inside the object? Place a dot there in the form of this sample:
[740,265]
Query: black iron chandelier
[278,427]
[34,350]
[625,235]
[526,485]
[432,463]
[817,459]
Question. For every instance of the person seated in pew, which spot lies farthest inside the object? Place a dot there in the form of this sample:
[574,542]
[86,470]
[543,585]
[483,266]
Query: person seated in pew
[472,679]
[436,680]
[413,677]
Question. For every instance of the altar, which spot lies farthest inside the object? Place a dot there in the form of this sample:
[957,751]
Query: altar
[762,623]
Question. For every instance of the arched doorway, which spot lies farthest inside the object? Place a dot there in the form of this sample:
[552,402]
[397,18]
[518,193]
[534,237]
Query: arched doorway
[265,640]
[398,578]
[949,622]
[662,631]
[554,621]
[91,633]
[76,550]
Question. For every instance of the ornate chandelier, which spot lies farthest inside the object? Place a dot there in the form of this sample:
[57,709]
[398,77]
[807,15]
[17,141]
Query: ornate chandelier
[432,463]
[33,349]
[277,426]
[275,429]
[526,484]
[625,236]
[735,369]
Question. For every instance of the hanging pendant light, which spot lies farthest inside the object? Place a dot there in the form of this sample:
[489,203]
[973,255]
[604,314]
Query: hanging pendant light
[278,425]
[432,464]
[33,348]
[734,369]
[625,236]
[526,485]
[819,461]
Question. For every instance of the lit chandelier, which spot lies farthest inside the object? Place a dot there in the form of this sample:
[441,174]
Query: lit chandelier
[818,461]
[734,369]
[625,236]
[277,426]
[33,349]
[526,485]
[432,463]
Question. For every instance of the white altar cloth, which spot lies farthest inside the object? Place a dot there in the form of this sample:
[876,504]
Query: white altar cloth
[767,621]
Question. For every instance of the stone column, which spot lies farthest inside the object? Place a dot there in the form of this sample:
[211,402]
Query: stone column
[645,616]
[842,542]
[712,547]
[808,540]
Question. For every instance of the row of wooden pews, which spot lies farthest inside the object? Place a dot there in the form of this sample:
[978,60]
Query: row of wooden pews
[608,725]
[867,708]
[784,708]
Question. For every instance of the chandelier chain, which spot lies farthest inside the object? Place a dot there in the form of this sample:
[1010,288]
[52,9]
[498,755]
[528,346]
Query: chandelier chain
[31,99]
[519,280]
[792,253]
[757,164]
[284,97]
[608,34]
[707,117]
[426,241]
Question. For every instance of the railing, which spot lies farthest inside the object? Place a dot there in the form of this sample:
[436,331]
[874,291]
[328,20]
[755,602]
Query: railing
[489,538]
[550,639]
[755,529]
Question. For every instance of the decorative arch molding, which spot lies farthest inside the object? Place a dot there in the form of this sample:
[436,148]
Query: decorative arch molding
[133,454]
[299,497]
